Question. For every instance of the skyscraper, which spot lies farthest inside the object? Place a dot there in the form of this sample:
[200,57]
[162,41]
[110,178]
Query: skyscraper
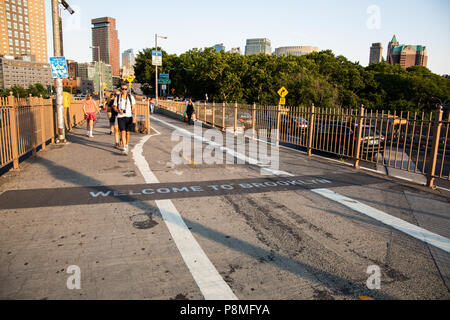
[376,53]
[105,36]
[23,28]
[219,47]
[258,46]
[128,58]
[406,55]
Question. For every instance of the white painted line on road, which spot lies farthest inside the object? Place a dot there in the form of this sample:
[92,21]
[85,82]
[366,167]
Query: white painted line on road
[208,279]
[228,150]
[403,226]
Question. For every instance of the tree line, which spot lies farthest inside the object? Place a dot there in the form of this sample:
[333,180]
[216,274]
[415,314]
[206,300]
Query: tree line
[320,78]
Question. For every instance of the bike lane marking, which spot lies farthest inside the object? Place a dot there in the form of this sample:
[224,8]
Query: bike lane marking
[208,279]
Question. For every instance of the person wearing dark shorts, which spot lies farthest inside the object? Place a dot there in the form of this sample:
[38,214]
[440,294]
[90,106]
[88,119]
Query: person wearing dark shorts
[124,104]
[112,115]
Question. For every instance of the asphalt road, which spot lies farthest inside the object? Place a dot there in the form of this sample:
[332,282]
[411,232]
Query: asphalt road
[206,231]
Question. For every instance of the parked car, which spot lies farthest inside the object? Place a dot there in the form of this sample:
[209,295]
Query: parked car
[293,125]
[339,136]
[246,119]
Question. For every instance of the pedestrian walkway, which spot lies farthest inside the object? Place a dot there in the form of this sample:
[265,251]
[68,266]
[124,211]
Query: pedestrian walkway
[141,227]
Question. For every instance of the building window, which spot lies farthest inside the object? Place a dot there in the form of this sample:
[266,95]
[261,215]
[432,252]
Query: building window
[8,15]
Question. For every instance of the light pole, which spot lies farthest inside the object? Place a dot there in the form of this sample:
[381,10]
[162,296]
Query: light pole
[156,74]
[100,78]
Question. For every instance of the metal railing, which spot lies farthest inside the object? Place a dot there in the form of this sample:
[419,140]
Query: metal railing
[413,142]
[29,124]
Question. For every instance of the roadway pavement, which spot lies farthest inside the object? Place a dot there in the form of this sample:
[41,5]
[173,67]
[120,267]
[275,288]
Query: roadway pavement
[143,227]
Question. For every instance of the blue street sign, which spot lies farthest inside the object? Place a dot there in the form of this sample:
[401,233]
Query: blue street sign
[59,67]
[164,76]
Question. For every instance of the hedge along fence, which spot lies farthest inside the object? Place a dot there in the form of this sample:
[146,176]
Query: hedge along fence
[29,123]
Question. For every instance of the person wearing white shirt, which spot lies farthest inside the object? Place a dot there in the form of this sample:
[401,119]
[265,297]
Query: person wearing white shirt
[125,106]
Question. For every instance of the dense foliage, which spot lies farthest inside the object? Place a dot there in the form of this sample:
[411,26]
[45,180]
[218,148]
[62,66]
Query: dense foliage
[35,90]
[320,78]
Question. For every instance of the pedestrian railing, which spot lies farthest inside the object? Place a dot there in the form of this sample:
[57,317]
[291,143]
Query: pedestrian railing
[413,142]
[28,125]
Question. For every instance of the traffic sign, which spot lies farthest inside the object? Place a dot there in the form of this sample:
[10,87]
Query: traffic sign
[164,76]
[283,92]
[164,81]
[157,58]
[130,79]
[282,101]
[59,67]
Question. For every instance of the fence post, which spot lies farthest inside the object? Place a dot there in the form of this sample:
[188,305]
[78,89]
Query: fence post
[235,117]
[214,114]
[42,114]
[223,117]
[52,118]
[147,117]
[277,141]
[311,129]
[204,114]
[358,141]
[435,149]
[33,124]
[13,128]
[253,121]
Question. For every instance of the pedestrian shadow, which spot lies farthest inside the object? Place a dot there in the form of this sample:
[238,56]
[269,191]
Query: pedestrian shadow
[333,282]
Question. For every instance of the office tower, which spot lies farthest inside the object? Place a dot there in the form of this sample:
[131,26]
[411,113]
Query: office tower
[406,55]
[219,47]
[295,51]
[105,36]
[258,46]
[376,53]
[23,29]
[128,58]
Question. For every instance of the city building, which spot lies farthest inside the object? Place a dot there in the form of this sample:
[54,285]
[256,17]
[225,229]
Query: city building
[23,71]
[106,37]
[219,47]
[406,55]
[72,66]
[97,73]
[128,61]
[23,29]
[376,53]
[258,46]
[295,51]
[235,50]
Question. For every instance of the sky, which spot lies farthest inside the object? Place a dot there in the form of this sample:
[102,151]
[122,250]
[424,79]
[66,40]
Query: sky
[347,27]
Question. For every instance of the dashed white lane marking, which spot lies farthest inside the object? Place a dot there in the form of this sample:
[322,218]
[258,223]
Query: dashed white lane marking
[398,224]
[208,279]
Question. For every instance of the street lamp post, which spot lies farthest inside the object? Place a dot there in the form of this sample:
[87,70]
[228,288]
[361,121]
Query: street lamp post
[156,74]
[100,78]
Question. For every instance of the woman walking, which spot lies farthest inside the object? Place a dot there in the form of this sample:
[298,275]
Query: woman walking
[90,109]
[189,111]
[112,115]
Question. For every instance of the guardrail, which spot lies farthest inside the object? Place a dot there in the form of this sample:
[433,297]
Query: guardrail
[413,142]
[29,124]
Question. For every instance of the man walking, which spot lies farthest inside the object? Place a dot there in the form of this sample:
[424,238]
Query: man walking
[124,105]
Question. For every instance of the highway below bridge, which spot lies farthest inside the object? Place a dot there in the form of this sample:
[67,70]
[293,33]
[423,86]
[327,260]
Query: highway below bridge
[143,227]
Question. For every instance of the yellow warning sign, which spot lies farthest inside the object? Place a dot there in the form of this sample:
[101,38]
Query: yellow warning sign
[283,92]
[282,101]
[130,79]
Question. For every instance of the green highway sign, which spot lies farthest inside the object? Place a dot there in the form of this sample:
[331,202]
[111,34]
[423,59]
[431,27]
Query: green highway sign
[164,81]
